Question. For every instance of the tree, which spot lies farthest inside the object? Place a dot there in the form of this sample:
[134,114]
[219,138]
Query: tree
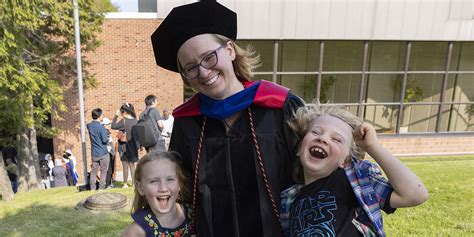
[36,59]
[5,187]
[104,6]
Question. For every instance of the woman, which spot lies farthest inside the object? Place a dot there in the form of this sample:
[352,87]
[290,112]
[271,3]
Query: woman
[232,134]
[59,174]
[129,149]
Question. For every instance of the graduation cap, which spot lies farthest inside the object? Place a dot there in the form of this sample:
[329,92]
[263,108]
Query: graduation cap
[187,21]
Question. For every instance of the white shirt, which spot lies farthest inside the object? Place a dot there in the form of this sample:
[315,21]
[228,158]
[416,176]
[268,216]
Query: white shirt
[167,126]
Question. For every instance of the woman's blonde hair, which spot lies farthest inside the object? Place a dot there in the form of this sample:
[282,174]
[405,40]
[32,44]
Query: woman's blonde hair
[302,120]
[245,62]
[139,201]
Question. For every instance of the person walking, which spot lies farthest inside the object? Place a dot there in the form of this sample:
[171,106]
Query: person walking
[232,134]
[100,155]
[129,144]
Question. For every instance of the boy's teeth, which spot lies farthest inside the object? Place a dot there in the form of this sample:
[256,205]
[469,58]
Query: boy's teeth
[318,152]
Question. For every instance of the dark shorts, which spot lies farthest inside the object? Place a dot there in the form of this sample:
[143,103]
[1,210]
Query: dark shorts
[126,157]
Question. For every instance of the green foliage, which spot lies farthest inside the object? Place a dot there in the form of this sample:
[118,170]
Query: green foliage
[413,92]
[325,85]
[37,58]
[104,6]
[310,82]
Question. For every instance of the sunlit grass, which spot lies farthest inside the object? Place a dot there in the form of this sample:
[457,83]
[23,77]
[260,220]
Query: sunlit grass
[52,212]
[448,211]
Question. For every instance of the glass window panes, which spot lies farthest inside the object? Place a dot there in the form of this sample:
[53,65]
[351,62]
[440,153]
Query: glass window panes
[298,56]
[382,117]
[428,56]
[419,118]
[461,87]
[265,49]
[423,88]
[384,77]
[462,58]
[343,55]
[303,86]
[387,56]
[457,118]
[340,88]
[383,88]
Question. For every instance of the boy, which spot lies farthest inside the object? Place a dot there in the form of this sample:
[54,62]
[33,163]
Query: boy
[338,193]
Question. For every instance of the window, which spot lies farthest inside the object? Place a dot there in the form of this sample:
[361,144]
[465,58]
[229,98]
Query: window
[298,56]
[343,55]
[265,49]
[383,80]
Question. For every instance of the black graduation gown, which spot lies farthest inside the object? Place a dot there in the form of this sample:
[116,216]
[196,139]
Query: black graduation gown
[231,196]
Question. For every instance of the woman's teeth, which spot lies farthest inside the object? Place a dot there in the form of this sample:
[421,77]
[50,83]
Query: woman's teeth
[212,80]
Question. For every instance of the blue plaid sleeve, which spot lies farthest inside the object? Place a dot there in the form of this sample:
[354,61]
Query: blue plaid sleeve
[383,189]
[287,197]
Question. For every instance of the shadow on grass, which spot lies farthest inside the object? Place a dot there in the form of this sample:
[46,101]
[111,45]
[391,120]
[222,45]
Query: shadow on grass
[47,220]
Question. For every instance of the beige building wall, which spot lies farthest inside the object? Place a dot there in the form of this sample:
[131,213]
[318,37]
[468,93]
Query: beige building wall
[348,19]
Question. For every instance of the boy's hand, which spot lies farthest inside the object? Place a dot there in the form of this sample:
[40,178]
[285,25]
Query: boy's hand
[365,136]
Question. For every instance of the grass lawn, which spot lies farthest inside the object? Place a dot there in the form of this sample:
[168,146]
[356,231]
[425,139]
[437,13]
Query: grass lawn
[448,212]
[51,213]
[450,209]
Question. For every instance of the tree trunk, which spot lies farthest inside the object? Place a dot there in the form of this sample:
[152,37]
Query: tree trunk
[5,185]
[34,151]
[27,164]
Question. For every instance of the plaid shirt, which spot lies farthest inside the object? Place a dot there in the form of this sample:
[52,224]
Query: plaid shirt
[371,189]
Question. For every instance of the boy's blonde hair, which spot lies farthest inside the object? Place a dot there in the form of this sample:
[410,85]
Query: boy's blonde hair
[302,120]
[140,202]
[245,62]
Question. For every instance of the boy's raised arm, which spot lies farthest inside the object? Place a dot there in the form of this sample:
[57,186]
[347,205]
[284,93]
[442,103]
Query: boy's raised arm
[408,188]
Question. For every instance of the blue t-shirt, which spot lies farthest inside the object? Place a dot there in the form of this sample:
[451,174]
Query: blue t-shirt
[146,219]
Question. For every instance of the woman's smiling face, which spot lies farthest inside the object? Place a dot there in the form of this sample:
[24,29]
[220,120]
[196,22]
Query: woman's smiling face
[218,82]
[160,186]
[325,147]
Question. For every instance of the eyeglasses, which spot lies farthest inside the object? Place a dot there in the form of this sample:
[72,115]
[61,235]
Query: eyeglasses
[208,62]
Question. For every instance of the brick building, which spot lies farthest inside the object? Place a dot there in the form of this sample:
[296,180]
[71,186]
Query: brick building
[126,71]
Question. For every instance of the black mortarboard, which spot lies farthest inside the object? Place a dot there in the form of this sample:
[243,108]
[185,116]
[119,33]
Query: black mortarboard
[187,21]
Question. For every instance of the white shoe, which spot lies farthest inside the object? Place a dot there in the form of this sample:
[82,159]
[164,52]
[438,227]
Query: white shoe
[125,186]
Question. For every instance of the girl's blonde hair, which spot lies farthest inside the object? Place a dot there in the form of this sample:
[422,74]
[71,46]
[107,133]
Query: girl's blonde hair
[245,62]
[140,202]
[302,120]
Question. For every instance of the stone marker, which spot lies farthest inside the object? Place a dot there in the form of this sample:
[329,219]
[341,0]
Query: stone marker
[104,202]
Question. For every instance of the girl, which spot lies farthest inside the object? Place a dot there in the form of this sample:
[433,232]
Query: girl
[159,184]
[129,149]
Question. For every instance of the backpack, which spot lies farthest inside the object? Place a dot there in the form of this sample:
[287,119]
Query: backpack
[44,169]
[147,131]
